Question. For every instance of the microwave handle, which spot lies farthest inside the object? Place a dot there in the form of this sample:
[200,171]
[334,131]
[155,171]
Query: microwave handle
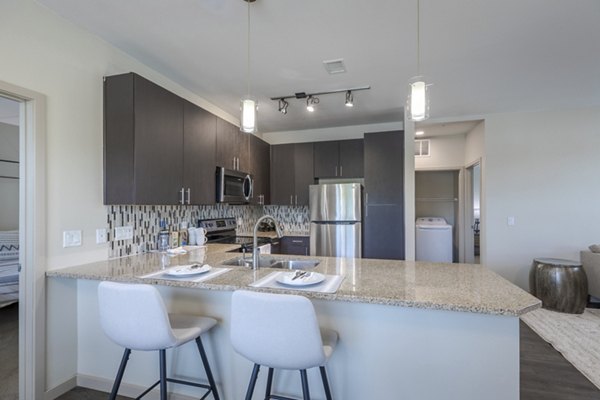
[248,187]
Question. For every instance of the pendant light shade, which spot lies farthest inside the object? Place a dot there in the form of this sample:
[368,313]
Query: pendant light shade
[249,108]
[417,103]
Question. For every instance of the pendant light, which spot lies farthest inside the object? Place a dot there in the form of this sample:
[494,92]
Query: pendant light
[417,104]
[249,105]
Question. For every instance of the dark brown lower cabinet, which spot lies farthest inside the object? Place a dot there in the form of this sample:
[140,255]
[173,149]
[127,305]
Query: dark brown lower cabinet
[294,245]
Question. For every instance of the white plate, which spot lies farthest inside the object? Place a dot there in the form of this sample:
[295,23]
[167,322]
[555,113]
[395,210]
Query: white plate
[312,279]
[188,270]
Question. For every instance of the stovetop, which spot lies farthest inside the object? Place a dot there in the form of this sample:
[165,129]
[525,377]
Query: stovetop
[222,230]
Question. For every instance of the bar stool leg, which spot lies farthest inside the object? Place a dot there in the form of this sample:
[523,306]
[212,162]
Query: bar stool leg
[252,382]
[305,392]
[163,374]
[269,384]
[325,383]
[209,375]
[119,378]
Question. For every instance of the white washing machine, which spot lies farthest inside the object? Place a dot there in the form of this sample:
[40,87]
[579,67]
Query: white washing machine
[433,240]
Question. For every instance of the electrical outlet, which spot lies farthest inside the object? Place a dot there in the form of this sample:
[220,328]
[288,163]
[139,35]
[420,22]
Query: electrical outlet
[124,233]
[71,238]
[101,236]
[510,221]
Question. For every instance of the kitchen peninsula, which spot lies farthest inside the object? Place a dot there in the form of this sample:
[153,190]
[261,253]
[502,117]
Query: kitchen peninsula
[407,329]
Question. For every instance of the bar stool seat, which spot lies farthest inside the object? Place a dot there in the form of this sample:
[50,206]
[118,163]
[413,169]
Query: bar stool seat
[134,316]
[280,332]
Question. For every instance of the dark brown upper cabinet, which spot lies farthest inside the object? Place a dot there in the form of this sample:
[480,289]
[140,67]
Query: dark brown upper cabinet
[339,159]
[291,173]
[260,162]
[199,154]
[156,145]
[232,147]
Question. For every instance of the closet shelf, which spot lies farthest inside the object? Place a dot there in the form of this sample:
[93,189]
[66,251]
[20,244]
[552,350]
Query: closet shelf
[437,199]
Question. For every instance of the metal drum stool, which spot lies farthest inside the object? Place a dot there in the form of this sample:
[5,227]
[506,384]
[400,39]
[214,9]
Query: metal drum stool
[561,285]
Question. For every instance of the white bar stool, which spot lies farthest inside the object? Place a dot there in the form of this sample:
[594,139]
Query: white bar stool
[135,317]
[280,331]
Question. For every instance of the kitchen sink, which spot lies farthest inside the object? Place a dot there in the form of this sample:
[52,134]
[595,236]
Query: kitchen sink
[272,262]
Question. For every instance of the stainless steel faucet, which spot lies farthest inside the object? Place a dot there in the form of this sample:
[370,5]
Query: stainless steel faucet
[255,250]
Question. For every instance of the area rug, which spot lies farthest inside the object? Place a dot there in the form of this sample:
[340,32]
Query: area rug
[575,336]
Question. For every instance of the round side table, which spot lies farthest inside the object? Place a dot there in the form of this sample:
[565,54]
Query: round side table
[561,285]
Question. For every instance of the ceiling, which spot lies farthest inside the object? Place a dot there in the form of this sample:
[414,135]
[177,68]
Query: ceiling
[481,56]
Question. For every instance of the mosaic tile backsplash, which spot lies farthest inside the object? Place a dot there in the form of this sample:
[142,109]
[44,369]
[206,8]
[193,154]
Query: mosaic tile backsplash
[146,222]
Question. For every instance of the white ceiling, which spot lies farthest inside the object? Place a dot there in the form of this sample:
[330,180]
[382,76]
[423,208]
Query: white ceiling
[482,56]
[445,128]
[9,111]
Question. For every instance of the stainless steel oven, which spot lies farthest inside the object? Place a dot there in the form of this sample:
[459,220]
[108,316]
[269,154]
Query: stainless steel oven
[233,187]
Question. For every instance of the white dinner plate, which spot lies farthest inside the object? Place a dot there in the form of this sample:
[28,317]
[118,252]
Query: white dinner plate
[312,279]
[188,270]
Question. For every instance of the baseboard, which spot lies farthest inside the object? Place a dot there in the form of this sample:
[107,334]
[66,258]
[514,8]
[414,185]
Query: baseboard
[61,389]
[126,389]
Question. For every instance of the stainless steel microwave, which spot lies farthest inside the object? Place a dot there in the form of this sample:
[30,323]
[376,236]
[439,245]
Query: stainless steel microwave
[233,187]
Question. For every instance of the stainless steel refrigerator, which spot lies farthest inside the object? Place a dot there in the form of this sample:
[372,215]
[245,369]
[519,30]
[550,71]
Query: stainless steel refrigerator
[336,220]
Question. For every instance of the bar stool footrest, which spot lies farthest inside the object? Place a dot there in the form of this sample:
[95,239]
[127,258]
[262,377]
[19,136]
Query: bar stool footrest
[181,382]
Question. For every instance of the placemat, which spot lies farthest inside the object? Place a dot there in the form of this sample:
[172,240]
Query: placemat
[214,272]
[331,284]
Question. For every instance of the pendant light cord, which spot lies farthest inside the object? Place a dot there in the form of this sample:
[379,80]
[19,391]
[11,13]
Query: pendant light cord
[419,37]
[248,53]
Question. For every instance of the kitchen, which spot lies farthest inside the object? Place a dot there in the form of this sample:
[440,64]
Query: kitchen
[69,71]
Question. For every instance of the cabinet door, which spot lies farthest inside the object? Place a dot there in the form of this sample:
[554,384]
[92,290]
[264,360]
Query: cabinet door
[351,158]
[118,140]
[303,172]
[326,159]
[199,151]
[243,150]
[158,158]
[296,245]
[384,231]
[227,146]
[282,174]
[384,167]
[260,162]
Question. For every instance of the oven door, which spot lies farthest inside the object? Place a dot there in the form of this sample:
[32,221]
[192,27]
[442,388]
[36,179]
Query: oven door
[233,187]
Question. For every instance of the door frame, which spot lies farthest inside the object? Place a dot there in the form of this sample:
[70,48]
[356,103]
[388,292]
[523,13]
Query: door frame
[32,239]
[469,221]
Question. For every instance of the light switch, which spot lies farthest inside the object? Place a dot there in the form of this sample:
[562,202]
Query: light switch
[100,235]
[510,221]
[71,238]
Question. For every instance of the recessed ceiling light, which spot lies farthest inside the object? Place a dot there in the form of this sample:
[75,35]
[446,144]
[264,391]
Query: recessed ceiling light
[335,66]
[419,133]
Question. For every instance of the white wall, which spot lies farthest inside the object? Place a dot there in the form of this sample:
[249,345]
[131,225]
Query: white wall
[446,152]
[9,188]
[474,143]
[542,168]
[44,53]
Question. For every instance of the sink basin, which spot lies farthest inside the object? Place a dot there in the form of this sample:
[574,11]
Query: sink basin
[272,262]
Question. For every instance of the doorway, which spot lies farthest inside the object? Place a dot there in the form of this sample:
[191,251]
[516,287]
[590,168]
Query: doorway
[9,248]
[473,213]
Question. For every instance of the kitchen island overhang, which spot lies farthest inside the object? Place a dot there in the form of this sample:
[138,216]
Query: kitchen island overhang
[407,330]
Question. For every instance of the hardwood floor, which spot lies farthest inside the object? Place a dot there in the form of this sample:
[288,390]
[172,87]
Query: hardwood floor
[545,374]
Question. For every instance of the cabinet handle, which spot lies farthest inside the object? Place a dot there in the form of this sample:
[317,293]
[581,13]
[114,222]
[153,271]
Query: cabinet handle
[189,195]
[296,197]
[291,200]
[182,198]
[297,241]
[237,162]
[233,163]
[341,170]
[336,170]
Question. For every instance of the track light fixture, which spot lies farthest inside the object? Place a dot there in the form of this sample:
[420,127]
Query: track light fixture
[312,100]
[349,99]
[283,106]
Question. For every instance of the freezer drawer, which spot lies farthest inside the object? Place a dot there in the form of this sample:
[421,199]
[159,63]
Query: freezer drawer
[336,239]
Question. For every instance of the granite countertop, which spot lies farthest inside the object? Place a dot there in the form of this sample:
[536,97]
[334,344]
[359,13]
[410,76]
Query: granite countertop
[454,287]
[273,234]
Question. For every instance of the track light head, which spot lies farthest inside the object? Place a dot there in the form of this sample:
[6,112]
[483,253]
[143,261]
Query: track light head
[349,99]
[311,102]
[283,106]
